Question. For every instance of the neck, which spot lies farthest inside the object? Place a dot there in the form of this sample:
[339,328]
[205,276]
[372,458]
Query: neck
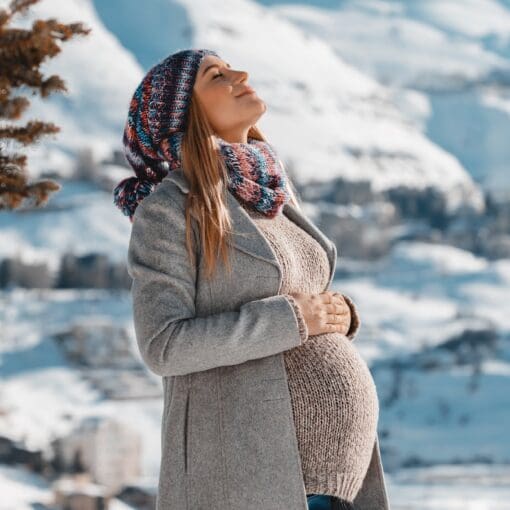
[235,136]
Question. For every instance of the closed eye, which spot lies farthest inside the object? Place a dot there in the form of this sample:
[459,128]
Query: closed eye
[221,74]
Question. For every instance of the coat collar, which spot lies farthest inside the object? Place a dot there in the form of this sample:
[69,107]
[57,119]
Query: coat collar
[247,236]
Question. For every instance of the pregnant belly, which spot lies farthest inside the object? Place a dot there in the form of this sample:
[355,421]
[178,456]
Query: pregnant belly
[332,390]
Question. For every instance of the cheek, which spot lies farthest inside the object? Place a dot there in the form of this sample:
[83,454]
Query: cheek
[221,107]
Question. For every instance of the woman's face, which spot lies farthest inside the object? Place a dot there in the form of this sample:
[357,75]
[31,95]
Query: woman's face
[222,91]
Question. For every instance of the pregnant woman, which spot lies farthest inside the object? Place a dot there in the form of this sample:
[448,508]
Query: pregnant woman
[267,403]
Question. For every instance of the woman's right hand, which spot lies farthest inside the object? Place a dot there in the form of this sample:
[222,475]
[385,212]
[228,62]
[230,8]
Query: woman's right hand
[326,312]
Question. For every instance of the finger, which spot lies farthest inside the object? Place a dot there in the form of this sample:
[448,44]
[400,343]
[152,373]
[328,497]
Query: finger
[326,297]
[337,319]
[339,309]
[333,319]
[338,297]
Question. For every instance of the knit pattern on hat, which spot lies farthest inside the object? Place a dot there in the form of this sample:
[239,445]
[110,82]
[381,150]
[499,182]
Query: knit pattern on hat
[156,122]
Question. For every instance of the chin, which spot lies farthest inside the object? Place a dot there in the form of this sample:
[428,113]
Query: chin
[262,105]
[259,114]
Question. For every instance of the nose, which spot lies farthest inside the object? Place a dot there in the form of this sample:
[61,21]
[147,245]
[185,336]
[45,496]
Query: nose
[242,76]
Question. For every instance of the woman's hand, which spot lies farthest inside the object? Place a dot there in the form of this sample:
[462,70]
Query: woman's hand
[326,312]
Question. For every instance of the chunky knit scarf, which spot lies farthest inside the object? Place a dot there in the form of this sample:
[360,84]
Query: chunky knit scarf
[255,175]
[153,133]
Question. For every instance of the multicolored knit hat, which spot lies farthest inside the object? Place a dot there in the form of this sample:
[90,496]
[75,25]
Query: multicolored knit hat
[155,125]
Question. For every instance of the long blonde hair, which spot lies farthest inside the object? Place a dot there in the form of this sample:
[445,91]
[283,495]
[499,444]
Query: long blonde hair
[206,200]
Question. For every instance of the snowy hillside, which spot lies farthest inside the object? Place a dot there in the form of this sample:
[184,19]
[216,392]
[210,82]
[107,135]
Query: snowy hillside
[447,62]
[324,115]
[413,303]
[436,329]
[71,222]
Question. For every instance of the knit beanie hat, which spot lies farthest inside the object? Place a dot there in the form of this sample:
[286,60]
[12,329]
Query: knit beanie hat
[156,123]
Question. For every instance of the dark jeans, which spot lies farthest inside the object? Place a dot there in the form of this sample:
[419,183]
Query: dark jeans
[326,502]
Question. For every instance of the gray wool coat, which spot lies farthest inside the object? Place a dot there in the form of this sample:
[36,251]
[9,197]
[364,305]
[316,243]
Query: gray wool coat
[228,438]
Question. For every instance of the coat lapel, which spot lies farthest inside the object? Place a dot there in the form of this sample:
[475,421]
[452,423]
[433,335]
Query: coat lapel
[246,235]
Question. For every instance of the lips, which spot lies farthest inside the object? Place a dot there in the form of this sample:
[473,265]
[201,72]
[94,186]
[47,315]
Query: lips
[249,90]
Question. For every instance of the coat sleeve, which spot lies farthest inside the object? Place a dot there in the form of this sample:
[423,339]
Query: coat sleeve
[171,338]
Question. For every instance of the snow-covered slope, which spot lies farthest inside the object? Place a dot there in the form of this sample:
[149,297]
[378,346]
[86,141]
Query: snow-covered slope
[161,27]
[447,62]
[422,296]
[324,115]
[436,329]
[73,221]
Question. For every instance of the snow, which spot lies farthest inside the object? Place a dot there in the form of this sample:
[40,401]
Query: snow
[440,418]
[79,219]
[400,46]
[455,487]
[422,294]
[445,63]
[358,131]
[43,393]
[476,18]
[20,487]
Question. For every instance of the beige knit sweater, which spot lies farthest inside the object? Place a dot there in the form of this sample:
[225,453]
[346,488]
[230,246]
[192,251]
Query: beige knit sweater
[334,398]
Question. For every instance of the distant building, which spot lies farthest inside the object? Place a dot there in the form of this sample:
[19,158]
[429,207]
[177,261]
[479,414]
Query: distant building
[78,492]
[97,343]
[14,452]
[105,448]
[14,272]
[139,496]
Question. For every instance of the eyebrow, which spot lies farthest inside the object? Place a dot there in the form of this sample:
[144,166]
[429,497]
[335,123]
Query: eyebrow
[213,65]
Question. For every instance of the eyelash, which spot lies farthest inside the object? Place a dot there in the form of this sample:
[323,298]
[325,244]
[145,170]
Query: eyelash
[220,74]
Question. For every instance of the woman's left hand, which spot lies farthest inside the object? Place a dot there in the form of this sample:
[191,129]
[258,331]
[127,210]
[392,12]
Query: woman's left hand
[344,318]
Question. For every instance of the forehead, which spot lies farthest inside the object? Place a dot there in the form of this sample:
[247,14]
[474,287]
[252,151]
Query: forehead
[211,59]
